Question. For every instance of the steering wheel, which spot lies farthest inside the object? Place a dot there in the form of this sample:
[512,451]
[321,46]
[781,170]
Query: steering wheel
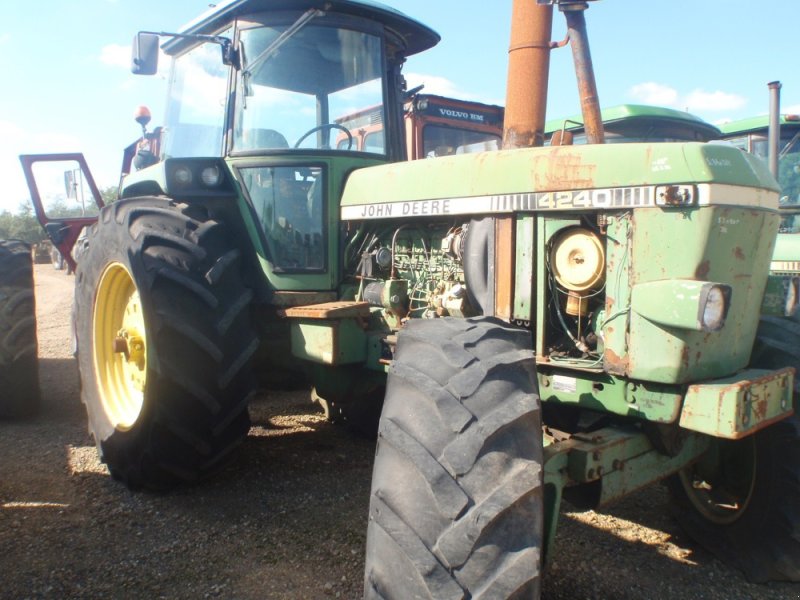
[322,128]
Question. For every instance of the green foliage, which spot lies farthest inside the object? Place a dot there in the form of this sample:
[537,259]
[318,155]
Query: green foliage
[109,194]
[25,226]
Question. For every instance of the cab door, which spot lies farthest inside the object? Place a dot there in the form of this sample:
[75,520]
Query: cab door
[65,197]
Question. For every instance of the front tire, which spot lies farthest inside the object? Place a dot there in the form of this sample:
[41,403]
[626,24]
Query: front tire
[456,502]
[19,367]
[742,501]
[164,342]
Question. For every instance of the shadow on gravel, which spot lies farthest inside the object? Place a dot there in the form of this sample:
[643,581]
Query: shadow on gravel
[285,519]
[58,381]
[599,563]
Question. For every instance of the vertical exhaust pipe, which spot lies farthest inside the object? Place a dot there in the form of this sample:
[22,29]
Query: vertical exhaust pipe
[774,132]
[584,70]
[529,69]
[528,72]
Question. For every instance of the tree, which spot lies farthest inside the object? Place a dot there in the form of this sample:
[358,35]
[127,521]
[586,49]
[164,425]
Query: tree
[109,194]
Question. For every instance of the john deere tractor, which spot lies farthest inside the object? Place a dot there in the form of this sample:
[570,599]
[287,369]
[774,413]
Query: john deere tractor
[537,323]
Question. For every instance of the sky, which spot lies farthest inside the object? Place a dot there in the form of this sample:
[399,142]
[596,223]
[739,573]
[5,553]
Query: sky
[67,87]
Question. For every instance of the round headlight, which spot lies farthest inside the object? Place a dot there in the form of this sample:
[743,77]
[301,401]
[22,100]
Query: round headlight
[715,309]
[183,175]
[211,176]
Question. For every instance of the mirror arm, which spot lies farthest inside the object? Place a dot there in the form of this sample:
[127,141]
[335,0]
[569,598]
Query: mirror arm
[230,56]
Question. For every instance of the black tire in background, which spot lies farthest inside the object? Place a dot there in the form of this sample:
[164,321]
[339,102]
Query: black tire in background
[777,345]
[456,502]
[745,509]
[743,505]
[356,401]
[168,410]
[19,367]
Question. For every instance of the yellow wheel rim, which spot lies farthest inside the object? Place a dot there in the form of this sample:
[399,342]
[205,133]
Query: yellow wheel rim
[120,346]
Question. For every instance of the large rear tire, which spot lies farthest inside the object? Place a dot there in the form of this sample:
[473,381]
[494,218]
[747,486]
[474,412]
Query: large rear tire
[164,342]
[19,367]
[456,503]
[742,501]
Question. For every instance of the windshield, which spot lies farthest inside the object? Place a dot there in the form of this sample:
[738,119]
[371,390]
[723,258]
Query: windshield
[291,91]
[196,103]
[438,140]
[789,166]
[788,159]
[626,133]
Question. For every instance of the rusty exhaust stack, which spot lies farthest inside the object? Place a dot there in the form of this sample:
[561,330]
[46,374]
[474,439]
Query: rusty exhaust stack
[774,132]
[529,69]
[528,72]
[584,70]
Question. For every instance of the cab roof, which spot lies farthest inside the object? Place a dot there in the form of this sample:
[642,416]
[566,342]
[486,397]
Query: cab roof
[756,124]
[418,37]
[634,112]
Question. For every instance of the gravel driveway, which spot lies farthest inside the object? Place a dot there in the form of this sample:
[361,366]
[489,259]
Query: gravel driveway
[286,520]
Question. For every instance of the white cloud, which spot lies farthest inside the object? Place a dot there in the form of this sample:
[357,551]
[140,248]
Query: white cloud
[793,109]
[697,100]
[700,100]
[654,93]
[115,55]
[441,86]
[16,141]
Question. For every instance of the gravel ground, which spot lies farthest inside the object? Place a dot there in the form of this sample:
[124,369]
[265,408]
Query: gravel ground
[286,520]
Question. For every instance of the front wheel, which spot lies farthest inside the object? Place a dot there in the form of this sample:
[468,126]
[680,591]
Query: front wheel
[742,502]
[456,502]
[164,342]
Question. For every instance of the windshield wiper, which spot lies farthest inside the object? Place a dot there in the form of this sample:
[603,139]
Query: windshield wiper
[304,19]
[789,145]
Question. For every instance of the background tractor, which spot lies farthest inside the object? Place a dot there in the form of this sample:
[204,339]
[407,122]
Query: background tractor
[434,126]
[539,323]
[635,123]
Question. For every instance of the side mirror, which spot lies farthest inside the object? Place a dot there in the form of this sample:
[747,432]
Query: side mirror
[145,54]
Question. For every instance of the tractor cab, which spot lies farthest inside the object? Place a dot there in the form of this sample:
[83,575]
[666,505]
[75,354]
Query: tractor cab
[263,85]
[256,90]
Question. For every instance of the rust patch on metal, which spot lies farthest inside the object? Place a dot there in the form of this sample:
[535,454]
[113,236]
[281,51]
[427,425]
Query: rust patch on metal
[739,253]
[759,408]
[528,74]
[702,270]
[330,310]
[563,169]
[614,363]
[504,266]
[685,356]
